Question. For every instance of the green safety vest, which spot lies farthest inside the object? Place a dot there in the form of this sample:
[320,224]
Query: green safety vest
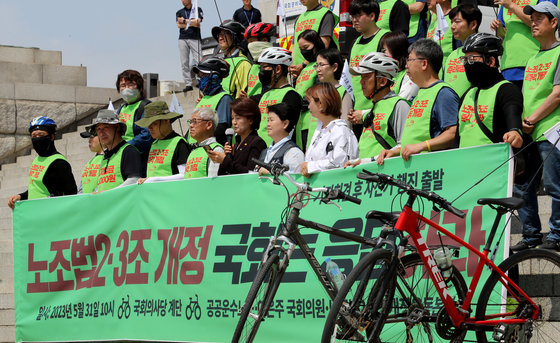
[126,115]
[310,20]
[446,42]
[110,175]
[312,126]
[254,85]
[161,155]
[454,72]
[91,174]
[414,20]
[385,8]
[208,101]
[273,96]
[36,189]
[469,130]
[228,81]
[417,125]
[519,44]
[306,79]
[396,86]
[537,85]
[356,54]
[382,111]
[197,162]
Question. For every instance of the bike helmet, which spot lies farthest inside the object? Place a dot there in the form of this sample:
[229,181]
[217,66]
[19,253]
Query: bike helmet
[484,43]
[276,55]
[235,28]
[260,30]
[42,123]
[212,65]
[377,62]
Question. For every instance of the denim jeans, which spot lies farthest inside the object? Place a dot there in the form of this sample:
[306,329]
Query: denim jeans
[530,212]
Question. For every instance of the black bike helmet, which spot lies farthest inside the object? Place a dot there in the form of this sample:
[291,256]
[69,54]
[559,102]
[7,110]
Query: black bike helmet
[260,30]
[235,28]
[484,43]
[212,65]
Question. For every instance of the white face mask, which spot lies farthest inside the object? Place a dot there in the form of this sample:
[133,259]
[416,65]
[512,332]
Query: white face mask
[130,95]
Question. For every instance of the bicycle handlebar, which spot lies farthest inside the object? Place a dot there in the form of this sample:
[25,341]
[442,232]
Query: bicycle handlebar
[277,169]
[384,179]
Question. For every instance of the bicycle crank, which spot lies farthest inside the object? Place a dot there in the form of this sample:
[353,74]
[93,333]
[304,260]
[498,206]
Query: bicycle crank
[513,333]
[446,329]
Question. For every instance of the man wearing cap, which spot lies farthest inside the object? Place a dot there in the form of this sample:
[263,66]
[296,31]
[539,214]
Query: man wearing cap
[169,150]
[121,161]
[90,174]
[431,122]
[541,97]
[50,174]
[384,123]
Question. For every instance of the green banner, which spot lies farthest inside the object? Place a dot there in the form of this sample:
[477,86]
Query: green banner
[173,261]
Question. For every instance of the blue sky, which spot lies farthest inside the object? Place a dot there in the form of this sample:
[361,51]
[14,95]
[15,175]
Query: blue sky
[106,36]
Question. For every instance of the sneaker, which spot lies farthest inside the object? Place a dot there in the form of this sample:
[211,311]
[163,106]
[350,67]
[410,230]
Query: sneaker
[551,245]
[522,245]
[187,88]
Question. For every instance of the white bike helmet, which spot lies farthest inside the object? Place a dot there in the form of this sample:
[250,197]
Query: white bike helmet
[276,56]
[377,62]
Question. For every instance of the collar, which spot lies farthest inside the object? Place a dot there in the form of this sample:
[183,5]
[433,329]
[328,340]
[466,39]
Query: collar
[207,141]
[276,146]
[109,153]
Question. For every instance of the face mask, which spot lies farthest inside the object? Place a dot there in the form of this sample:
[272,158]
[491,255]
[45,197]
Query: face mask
[42,145]
[209,85]
[481,75]
[309,55]
[265,77]
[256,48]
[130,95]
[203,82]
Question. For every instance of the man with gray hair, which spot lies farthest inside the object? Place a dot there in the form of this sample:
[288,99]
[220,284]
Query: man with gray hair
[202,125]
[432,120]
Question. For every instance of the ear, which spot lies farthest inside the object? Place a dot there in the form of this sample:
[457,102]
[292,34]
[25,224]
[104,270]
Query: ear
[285,124]
[554,22]
[335,67]
[382,82]
[473,24]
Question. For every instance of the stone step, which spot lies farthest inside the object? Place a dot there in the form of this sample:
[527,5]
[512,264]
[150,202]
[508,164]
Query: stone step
[7,301]
[7,334]
[11,72]
[29,55]
[6,317]
[5,213]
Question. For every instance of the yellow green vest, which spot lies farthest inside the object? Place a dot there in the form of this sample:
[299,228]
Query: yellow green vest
[197,162]
[417,125]
[469,130]
[382,111]
[397,82]
[90,174]
[272,97]
[356,54]
[454,73]
[446,42]
[414,20]
[36,189]
[309,20]
[110,175]
[228,81]
[161,155]
[385,8]
[126,115]
[537,85]
[519,44]
[254,85]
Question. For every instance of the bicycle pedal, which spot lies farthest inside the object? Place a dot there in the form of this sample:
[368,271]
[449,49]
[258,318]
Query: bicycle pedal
[415,316]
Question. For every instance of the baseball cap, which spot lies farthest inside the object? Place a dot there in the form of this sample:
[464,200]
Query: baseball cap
[543,7]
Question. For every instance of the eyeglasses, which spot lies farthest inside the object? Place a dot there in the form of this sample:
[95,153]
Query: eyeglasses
[414,59]
[471,59]
[196,121]
[320,65]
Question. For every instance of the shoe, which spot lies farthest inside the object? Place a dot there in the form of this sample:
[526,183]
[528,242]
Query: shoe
[551,245]
[187,88]
[522,245]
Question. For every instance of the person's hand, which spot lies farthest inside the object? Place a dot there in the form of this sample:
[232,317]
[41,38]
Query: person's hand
[200,95]
[216,156]
[412,149]
[514,139]
[295,70]
[386,154]
[355,116]
[242,94]
[142,180]
[352,164]
[508,4]
[304,170]
[263,171]
[13,199]
[227,148]
[527,127]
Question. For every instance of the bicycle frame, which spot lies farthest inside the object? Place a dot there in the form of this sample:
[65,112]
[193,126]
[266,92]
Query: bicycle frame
[408,222]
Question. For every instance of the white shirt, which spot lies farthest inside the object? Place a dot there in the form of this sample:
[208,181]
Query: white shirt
[331,146]
[293,158]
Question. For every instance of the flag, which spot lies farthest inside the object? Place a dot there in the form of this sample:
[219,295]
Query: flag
[346,80]
[175,105]
[110,107]
[553,135]
[441,25]
[194,13]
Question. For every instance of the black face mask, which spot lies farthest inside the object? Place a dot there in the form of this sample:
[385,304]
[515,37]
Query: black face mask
[43,145]
[265,77]
[481,75]
[309,55]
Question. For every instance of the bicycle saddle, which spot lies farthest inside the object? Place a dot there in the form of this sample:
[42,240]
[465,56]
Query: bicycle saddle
[387,218]
[511,203]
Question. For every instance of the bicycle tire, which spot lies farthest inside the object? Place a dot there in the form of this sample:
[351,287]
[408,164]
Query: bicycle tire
[267,280]
[371,294]
[543,287]
[415,274]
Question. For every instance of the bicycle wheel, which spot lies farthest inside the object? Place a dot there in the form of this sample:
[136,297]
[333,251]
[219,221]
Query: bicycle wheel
[362,302]
[258,301]
[537,273]
[420,301]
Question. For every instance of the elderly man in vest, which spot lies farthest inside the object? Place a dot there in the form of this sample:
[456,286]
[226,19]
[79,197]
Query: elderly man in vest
[202,125]
[50,174]
[121,161]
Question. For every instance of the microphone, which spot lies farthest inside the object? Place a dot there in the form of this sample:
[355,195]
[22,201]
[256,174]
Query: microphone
[229,138]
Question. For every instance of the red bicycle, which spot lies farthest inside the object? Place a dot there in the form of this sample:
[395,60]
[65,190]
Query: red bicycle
[405,299]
